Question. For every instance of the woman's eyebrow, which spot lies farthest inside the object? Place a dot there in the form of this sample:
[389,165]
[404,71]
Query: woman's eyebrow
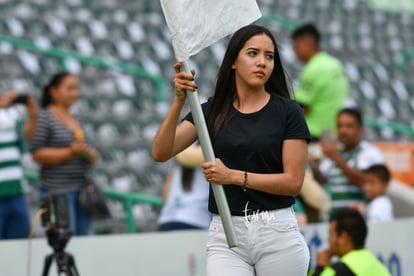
[257,49]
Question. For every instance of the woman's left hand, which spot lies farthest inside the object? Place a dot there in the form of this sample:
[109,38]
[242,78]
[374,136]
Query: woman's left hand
[217,172]
[90,154]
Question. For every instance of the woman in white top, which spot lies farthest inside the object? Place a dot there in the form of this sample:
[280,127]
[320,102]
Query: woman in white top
[186,194]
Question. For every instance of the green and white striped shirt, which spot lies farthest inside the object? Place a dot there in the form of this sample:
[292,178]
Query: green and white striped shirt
[11,171]
[343,193]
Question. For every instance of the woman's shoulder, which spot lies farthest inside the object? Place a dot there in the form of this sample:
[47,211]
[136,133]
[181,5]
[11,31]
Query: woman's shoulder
[288,104]
[207,102]
[44,112]
[44,115]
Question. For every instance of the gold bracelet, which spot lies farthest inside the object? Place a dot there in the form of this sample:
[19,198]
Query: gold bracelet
[245,183]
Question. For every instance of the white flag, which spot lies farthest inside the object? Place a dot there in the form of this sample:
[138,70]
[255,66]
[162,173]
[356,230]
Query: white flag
[196,24]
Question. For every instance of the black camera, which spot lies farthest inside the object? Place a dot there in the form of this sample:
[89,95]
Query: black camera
[56,217]
[56,211]
[21,99]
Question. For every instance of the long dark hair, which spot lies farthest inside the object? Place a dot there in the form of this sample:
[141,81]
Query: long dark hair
[187,176]
[54,81]
[226,90]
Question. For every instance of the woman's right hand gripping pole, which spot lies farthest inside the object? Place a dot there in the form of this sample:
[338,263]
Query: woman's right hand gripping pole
[170,138]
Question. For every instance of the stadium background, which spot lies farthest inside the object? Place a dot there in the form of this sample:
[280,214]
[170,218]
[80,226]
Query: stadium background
[121,51]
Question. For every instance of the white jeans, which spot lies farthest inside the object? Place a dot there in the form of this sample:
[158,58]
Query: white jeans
[269,244]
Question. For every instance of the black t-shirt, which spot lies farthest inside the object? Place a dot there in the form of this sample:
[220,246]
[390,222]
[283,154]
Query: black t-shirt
[253,143]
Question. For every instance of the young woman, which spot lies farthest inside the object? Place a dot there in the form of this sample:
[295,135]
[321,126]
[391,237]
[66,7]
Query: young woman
[60,147]
[260,141]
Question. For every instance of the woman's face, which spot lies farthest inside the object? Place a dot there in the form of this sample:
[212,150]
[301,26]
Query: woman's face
[255,62]
[66,92]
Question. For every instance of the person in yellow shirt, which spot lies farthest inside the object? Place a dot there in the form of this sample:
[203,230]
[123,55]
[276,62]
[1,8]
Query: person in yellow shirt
[347,233]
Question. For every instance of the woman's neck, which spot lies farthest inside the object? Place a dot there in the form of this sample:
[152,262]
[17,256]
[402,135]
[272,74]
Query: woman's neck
[251,102]
[59,109]
[64,117]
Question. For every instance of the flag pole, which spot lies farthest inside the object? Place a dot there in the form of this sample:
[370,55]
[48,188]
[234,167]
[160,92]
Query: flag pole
[208,153]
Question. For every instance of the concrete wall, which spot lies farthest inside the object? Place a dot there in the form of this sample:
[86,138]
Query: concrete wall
[183,253]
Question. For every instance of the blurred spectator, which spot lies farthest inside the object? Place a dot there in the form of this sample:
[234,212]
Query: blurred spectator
[323,84]
[345,160]
[186,194]
[347,233]
[61,149]
[315,200]
[322,90]
[379,208]
[14,213]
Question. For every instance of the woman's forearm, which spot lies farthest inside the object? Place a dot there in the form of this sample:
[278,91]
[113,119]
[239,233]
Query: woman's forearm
[291,180]
[52,156]
[163,145]
[30,128]
[278,183]
[31,122]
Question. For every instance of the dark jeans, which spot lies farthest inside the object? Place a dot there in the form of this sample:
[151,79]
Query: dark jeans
[172,226]
[14,218]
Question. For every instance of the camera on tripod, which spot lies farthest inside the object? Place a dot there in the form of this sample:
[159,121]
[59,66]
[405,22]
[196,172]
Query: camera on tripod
[56,218]
[56,211]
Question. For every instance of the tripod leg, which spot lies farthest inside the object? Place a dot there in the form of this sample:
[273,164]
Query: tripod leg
[48,262]
[66,264]
[72,267]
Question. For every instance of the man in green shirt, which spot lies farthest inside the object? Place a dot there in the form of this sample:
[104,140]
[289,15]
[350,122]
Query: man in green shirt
[323,85]
[347,233]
